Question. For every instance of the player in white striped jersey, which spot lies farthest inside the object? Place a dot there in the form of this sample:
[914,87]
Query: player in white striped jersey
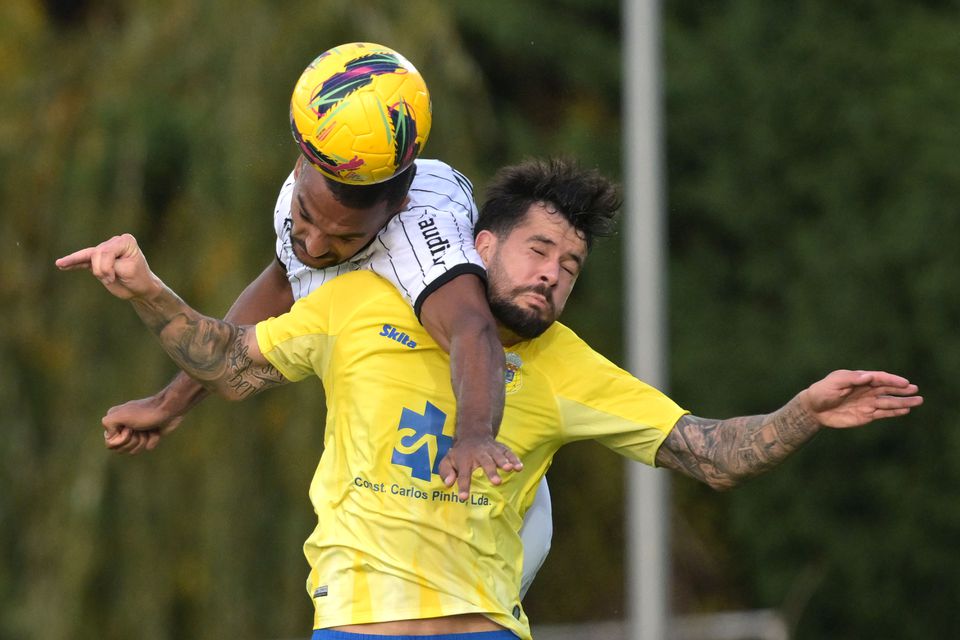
[423,245]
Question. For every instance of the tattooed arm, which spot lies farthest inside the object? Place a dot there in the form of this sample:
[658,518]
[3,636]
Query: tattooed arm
[225,358]
[722,453]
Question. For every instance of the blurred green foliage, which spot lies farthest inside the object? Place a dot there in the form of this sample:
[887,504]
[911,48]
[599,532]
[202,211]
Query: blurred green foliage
[812,196]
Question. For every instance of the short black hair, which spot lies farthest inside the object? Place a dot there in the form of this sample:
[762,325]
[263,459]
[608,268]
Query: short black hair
[364,196]
[588,200]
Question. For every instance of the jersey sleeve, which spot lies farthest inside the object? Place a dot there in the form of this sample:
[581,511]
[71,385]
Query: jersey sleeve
[431,240]
[298,343]
[599,400]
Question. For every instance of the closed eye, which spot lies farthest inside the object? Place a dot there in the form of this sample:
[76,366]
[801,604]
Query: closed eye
[302,211]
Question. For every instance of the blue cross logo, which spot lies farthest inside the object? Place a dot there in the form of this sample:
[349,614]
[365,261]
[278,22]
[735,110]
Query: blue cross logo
[418,430]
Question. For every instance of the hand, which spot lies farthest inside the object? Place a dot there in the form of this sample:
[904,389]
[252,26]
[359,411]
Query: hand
[854,398]
[469,453]
[138,425]
[117,263]
[125,440]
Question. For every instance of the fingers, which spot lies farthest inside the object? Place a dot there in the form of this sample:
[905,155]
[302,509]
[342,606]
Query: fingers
[500,457]
[116,438]
[125,440]
[908,390]
[844,377]
[451,474]
[463,484]
[509,460]
[884,379]
[448,472]
[897,403]
[101,259]
[134,414]
[463,459]
[76,260]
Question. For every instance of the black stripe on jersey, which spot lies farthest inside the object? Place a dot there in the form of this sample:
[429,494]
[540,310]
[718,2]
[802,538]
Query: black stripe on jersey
[458,270]
[303,289]
[463,242]
[467,188]
[461,182]
[397,281]
[413,250]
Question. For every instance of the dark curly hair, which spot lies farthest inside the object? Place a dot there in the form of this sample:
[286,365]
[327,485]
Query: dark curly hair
[587,199]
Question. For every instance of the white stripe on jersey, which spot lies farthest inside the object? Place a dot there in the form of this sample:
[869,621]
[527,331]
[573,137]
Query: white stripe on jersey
[429,238]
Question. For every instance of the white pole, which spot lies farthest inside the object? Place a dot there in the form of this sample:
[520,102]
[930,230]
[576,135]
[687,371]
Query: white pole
[648,548]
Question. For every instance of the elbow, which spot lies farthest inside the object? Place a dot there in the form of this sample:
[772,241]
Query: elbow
[723,482]
[723,486]
[222,390]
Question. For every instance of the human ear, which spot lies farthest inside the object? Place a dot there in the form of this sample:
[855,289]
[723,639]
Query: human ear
[485,243]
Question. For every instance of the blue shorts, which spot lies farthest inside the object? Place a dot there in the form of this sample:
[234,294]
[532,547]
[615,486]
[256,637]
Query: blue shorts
[327,634]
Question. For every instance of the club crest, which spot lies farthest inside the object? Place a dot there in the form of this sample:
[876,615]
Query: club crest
[513,376]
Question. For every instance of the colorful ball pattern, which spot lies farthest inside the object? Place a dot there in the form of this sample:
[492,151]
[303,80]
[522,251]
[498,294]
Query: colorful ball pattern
[360,113]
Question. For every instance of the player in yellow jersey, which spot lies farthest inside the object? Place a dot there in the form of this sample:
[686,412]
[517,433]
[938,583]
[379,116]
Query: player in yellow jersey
[396,552]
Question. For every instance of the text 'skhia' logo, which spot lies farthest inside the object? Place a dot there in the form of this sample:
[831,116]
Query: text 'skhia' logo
[422,444]
[389,331]
[513,376]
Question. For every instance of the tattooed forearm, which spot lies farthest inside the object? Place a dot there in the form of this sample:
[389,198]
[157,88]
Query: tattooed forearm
[724,452]
[212,351]
[244,377]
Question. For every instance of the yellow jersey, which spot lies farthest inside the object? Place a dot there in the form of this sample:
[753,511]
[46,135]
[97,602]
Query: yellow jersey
[392,542]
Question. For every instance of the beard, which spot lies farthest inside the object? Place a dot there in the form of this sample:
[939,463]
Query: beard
[525,323]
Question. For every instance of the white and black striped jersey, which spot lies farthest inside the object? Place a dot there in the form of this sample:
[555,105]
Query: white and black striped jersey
[422,247]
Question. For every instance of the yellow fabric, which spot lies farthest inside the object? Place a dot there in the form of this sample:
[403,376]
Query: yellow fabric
[392,542]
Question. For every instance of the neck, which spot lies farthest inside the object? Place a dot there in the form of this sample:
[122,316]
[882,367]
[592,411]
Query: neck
[507,337]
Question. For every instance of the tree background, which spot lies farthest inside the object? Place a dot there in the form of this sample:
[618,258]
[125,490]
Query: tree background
[812,208]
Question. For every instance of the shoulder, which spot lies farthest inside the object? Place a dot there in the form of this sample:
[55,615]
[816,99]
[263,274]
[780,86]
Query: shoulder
[567,359]
[437,184]
[431,169]
[557,340]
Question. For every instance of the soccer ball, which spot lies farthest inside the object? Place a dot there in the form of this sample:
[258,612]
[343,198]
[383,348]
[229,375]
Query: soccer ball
[360,113]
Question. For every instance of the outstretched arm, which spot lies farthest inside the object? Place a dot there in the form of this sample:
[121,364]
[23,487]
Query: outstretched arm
[138,425]
[722,453]
[225,358]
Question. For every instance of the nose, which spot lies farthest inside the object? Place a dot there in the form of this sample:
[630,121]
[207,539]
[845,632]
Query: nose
[550,273]
[317,244]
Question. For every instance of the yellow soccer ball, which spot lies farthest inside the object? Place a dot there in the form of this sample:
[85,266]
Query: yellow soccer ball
[360,113]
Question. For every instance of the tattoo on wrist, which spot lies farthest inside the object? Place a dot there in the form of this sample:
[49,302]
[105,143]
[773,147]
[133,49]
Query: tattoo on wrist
[723,452]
